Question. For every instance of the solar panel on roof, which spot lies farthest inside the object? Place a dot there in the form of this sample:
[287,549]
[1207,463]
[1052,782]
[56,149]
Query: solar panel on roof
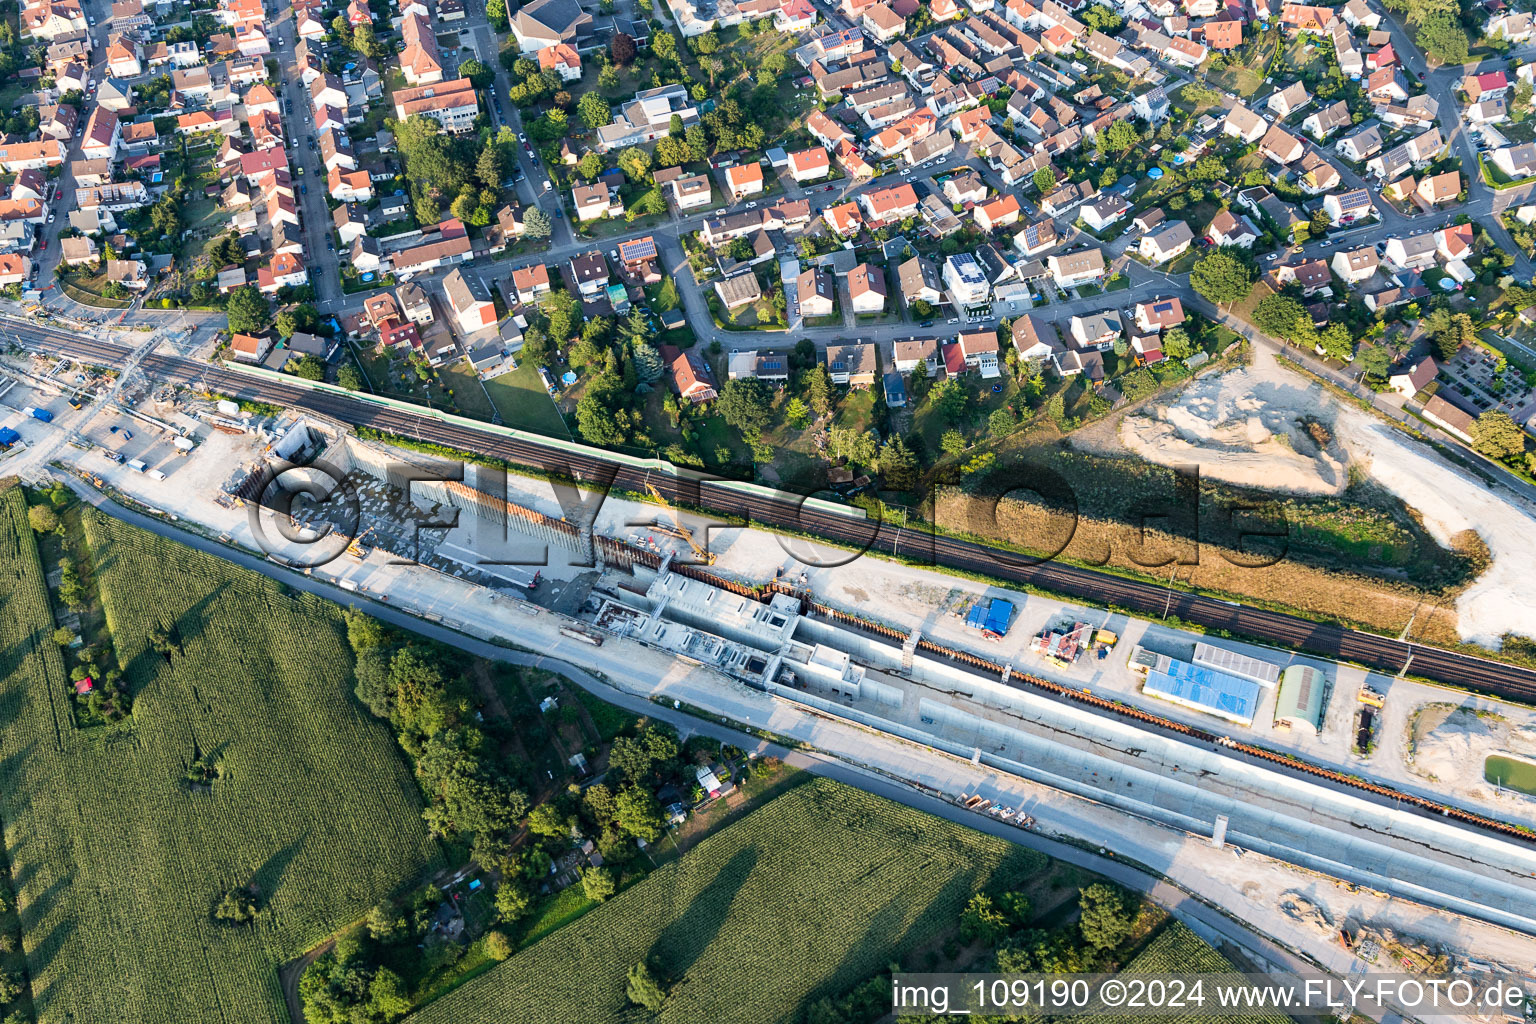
[638,249]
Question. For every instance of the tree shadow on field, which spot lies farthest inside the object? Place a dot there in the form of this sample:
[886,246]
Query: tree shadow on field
[43,954]
[881,945]
[270,875]
[682,942]
[141,669]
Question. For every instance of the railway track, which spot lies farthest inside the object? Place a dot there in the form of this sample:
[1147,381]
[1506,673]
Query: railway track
[1382,653]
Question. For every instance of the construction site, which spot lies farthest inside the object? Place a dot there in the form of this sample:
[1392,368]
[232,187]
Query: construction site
[1235,748]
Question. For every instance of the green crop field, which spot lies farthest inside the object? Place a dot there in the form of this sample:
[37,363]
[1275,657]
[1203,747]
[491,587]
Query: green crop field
[1177,950]
[805,897]
[117,862]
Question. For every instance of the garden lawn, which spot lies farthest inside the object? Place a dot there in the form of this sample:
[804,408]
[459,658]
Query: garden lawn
[523,403]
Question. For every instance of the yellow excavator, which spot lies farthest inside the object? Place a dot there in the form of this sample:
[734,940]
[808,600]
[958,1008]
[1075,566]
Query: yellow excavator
[700,553]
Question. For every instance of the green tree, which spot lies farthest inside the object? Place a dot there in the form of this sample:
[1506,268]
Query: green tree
[1176,343]
[512,900]
[1101,18]
[1107,915]
[593,110]
[348,377]
[1221,277]
[497,946]
[309,368]
[480,76]
[248,310]
[636,811]
[165,216]
[635,163]
[548,820]
[797,414]
[384,923]
[43,519]
[983,922]
[1497,436]
[949,398]
[1374,361]
[816,383]
[858,447]
[590,165]
[496,13]
[1045,180]
[898,466]
[953,442]
[643,989]
[1001,422]
[745,403]
[536,223]
[598,884]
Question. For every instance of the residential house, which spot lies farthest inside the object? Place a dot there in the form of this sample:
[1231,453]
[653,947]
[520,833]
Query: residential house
[978,350]
[414,304]
[852,364]
[1242,123]
[1280,146]
[1348,207]
[1435,189]
[563,60]
[1322,123]
[1227,228]
[1361,145]
[1097,331]
[999,213]
[1288,100]
[815,292]
[738,289]
[1104,211]
[1035,340]
[594,202]
[1412,253]
[1166,242]
[470,301]
[531,284]
[590,271]
[809,164]
[691,377]
[1356,265]
[249,348]
[454,105]
[1069,270]
[866,288]
[1409,381]
[1159,315]
[744,180]
[284,271]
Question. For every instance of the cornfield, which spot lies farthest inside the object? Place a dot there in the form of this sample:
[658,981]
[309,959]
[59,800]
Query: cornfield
[1177,950]
[805,897]
[118,865]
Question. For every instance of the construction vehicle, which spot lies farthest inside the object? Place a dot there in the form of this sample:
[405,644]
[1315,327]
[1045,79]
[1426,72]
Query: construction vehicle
[360,548]
[1371,696]
[680,531]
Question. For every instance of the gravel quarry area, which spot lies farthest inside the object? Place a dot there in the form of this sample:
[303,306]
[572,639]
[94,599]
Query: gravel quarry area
[1247,427]
[1265,426]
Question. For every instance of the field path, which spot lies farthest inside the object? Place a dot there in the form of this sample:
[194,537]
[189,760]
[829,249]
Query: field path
[290,974]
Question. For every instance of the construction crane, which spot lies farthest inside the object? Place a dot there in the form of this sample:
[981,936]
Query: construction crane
[701,553]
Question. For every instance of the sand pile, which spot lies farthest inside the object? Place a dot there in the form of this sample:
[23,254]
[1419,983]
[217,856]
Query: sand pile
[1246,427]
